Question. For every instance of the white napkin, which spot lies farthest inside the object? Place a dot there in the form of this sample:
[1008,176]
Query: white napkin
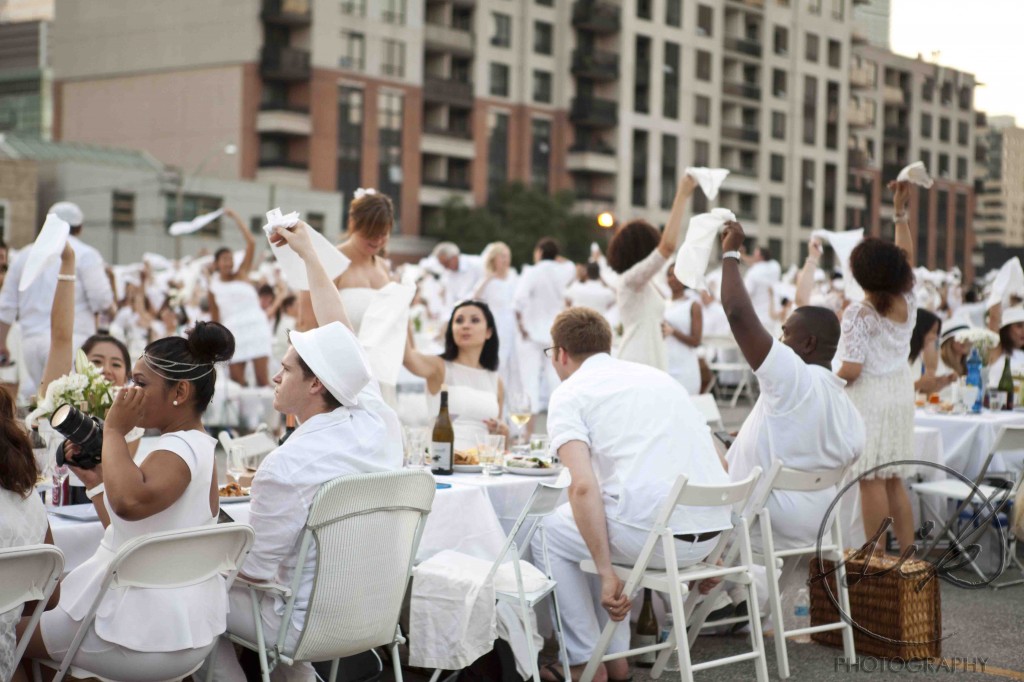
[45,250]
[388,311]
[695,253]
[843,244]
[294,270]
[1009,280]
[917,174]
[709,179]
[199,222]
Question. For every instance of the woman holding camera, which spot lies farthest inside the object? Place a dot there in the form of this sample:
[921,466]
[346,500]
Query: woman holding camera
[142,634]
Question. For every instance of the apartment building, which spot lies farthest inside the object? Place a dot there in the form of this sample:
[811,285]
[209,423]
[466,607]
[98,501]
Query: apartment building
[25,79]
[999,219]
[904,110]
[26,10]
[872,20]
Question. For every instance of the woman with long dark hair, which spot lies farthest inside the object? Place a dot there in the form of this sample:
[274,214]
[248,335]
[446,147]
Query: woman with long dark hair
[924,354]
[468,369]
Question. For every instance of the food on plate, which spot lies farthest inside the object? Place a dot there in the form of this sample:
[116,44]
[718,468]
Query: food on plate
[946,407]
[528,463]
[233,490]
[468,457]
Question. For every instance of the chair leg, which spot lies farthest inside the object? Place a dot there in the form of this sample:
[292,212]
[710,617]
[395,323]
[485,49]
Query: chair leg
[753,608]
[261,642]
[678,612]
[525,613]
[334,669]
[598,653]
[436,676]
[211,661]
[772,571]
[563,655]
[849,650]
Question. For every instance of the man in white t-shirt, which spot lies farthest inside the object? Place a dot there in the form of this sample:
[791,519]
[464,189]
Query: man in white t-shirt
[626,432]
[460,276]
[592,293]
[762,275]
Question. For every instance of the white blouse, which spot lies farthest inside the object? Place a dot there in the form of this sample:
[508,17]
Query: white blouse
[878,343]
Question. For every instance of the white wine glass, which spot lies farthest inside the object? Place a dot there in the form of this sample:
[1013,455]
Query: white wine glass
[236,466]
[519,412]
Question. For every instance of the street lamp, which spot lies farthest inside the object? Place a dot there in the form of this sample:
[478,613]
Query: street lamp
[605,220]
[228,149]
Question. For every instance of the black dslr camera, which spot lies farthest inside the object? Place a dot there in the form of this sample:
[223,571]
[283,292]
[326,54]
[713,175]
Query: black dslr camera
[81,429]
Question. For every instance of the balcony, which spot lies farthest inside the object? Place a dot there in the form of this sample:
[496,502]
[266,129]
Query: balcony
[745,171]
[858,117]
[742,90]
[594,16]
[287,12]
[750,4]
[278,171]
[861,78]
[448,183]
[446,142]
[449,131]
[857,158]
[900,133]
[447,91]
[435,192]
[593,112]
[596,65]
[592,161]
[283,118]
[893,94]
[741,133]
[447,39]
[284,63]
[746,46]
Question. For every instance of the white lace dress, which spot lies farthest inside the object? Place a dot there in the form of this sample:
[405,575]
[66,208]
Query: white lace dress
[22,522]
[884,391]
[641,309]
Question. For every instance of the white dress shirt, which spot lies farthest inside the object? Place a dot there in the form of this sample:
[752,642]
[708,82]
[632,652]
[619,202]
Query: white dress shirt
[643,432]
[591,294]
[357,440]
[759,280]
[459,284]
[805,419]
[540,296]
[32,306]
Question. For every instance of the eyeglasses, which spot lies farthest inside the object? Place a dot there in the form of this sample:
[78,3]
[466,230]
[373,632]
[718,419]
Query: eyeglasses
[547,351]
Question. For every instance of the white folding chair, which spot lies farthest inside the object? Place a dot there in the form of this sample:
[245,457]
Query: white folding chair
[366,529]
[988,500]
[164,560]
[727,343]
[675,581]
[251,449]
[708,408]
[28,573]
[785,479]
[544,500]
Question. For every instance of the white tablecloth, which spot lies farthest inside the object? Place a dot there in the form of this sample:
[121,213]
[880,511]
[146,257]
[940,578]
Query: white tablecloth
[967,439]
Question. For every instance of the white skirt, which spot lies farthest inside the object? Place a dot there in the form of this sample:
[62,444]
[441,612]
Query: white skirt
[886,403]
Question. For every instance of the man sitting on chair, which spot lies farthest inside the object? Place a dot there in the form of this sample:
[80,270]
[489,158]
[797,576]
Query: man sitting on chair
[345,428]
[626,432]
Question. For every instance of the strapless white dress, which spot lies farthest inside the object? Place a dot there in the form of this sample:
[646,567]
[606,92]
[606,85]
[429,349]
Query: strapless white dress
[240,312]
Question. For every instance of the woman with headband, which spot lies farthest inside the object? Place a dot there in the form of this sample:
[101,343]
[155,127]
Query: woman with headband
[173,487]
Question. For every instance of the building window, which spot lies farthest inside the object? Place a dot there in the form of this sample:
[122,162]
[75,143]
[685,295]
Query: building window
[354,8]
[810,109]
[962,133]
[644,9]
[944,129]
[703,65]
[542,87]
[390,106]
[941,228]
[673,64]
[5,212]
[122,211]
[778,168]
[779,83]
[705,20]
[966,97]
[701,153]
[315,220]
[546,3]
[353,51]
[543,42]
[502,30]
[674,12]
[497,153]
[639,189]
[838,9]
[393,12]
[780,40]
[350,143]
[943,165]
[669,169]
[702,110]
[926,125]
[193,205]
[540,154]
[807,193]
[642,79]
[961,168]
[928,89]
[814,6]
[811,47]
[835,53]
[778,125]
[499,80]
[394,58]
[775,211]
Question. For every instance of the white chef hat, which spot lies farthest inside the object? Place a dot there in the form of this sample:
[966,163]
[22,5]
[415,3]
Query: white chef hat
[333,354]
[68,212]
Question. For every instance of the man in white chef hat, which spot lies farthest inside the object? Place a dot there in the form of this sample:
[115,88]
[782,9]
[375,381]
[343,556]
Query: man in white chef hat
[345,427]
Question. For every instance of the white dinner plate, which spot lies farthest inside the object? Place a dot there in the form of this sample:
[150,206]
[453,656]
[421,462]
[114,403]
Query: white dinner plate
[232,500]
[467,468]
[78,512]
[524,471]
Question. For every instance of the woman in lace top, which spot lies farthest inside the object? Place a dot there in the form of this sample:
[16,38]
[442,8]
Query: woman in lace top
[638,254]
[873,348]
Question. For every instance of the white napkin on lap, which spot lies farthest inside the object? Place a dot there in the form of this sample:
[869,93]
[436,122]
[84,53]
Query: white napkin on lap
[199,222]
[709,179]
[1009,280]
[843,244]
[45,250]
[294,270]
[917,174]
[695,253]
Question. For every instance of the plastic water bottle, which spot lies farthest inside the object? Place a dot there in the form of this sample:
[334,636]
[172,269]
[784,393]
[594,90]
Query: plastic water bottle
[673,660]
[802,615]
[974,378]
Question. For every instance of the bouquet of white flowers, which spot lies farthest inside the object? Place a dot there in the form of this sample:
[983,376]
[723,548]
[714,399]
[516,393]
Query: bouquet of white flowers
[982,339]
[85,389]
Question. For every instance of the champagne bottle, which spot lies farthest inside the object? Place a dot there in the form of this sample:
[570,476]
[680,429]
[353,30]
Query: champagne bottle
[442,442]
[289,428]
[646,632]
[1006,384]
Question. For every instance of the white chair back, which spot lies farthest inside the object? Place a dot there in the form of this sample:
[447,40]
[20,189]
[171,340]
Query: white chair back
[252,448]
[1012,438]
[367,529]
[28,573]
[785,478]
[689,494]
[708,408]
[543,501]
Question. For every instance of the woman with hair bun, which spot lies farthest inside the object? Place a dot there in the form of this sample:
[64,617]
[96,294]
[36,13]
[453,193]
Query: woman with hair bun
[171,488]
[873,348]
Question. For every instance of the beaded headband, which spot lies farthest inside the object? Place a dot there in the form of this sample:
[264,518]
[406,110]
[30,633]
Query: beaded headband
[177,371]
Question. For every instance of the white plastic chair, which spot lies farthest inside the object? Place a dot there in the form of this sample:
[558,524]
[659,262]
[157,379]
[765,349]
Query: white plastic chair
[728,343]
[251,449]
[164,560]
[28,573]
[675,581]
[366,529]
[708,408]
[545,499]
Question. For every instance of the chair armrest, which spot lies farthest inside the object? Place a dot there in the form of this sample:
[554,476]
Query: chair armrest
[277,588]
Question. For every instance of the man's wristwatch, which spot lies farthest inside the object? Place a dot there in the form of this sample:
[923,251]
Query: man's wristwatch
[731,254]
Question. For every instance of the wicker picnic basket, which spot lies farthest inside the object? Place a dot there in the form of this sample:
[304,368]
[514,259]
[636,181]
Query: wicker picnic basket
[907,622]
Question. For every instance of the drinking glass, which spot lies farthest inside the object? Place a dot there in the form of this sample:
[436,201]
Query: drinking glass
[236,466]
[416,442]
[491,450]
[520,412]
[996,399]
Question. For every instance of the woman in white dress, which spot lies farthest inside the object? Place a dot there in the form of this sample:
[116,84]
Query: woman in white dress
[638,254]
[497,289]
[873,349]
[683,328]
[141,634]
[1009,324]
[468,370]
[235,303]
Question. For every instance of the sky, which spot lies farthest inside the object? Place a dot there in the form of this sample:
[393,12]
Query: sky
[982,37]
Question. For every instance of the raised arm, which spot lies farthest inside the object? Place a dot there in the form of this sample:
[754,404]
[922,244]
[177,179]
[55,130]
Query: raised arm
[754,340]
[324,296]
[904,238]
[670,237]
[250,244]
[429,367]
[62,322]
[805,278]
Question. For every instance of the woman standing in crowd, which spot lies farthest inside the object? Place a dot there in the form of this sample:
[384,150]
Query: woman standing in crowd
[638,254]
[497,289]
[235,303]
[873,348]
[683,327]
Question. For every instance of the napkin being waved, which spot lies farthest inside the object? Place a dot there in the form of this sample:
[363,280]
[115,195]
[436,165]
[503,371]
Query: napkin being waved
[184,227]
[917,174]
[709,179]
[1009,281]
[843,244]
[45,250]
[695,253]
[294,270]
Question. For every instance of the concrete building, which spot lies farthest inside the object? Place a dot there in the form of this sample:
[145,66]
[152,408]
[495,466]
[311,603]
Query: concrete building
[903,110]
[26,10]
[25,79]
[999,219]
[872,20]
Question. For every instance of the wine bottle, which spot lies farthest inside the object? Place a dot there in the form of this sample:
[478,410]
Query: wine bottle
[1006,384]
[289,428]
[442,442]
[646,632]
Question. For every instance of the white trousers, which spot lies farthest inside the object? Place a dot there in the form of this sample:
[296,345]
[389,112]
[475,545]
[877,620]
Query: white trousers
[536,372]
[579,593]
[226,667]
